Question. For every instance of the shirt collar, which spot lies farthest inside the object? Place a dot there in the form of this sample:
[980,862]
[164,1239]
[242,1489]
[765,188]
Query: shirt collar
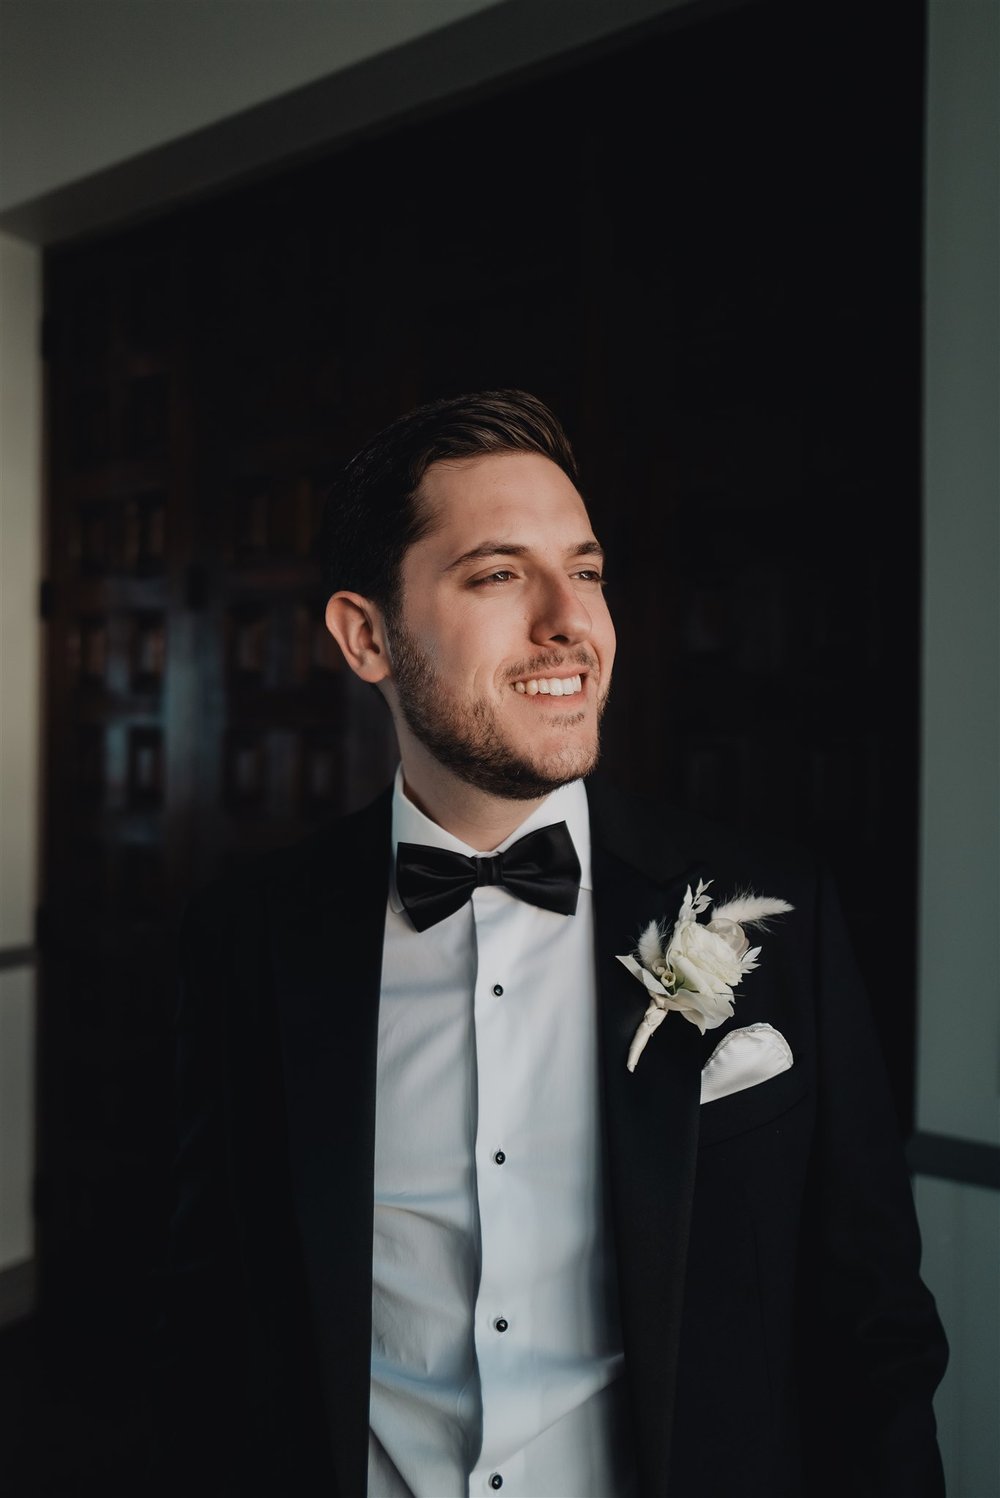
[567,804]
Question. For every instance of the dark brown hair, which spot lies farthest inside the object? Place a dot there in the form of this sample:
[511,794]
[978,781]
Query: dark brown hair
[373,511]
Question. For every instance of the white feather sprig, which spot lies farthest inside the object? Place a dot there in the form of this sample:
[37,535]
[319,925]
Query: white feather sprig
[750,910]
[651,945]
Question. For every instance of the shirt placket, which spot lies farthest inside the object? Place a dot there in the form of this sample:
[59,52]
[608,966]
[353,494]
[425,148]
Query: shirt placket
[500,1329]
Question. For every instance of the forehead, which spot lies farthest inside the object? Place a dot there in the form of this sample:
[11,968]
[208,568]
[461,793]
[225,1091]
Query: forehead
[522,491]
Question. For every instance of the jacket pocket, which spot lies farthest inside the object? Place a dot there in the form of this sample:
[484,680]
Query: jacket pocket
[752,1107]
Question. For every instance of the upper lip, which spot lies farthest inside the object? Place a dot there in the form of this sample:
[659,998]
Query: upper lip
[563,670]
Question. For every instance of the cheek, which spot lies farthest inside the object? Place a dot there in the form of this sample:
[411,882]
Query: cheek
[435,637]
[463,658]
[476,654]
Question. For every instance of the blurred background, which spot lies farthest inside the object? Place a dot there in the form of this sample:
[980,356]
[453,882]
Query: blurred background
[748,253]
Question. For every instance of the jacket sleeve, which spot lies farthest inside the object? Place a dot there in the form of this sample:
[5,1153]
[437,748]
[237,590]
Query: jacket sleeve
[873,1337]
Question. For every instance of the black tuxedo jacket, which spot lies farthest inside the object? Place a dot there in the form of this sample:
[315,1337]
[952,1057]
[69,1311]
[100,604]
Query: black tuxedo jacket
[778,1339]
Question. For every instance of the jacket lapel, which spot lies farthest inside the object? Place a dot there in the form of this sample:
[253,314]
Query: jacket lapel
[651,1123]
[327,922]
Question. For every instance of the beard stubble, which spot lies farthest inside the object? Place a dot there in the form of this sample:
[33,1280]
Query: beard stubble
[467,739]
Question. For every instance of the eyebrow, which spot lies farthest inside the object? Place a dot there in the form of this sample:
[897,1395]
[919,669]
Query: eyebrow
[509,549]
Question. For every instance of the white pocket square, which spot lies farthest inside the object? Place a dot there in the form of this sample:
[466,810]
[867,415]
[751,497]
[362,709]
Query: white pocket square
[742,1059]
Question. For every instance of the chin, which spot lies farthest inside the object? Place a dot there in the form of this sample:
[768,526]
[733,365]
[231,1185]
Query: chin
[565,764]
[514,775]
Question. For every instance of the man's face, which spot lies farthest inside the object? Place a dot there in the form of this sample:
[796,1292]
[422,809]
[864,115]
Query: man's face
[503,647]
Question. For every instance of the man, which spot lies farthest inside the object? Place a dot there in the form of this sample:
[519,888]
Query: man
[440,1230]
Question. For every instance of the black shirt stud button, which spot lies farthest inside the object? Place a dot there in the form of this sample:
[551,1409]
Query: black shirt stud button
[499,1157]
[501,1323]
[498,990]
[496,1481]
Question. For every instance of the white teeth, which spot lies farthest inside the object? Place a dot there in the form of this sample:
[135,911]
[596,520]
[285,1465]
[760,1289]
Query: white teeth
[551,686]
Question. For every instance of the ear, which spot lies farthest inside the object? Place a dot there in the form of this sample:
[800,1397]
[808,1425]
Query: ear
[356,625]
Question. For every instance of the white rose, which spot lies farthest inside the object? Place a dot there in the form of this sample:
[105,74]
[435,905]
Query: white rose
[703,959]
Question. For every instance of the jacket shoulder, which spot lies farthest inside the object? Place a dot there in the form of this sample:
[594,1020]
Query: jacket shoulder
[659,832]
[326,856]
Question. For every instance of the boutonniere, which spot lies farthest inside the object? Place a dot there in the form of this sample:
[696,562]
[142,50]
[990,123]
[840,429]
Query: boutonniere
[696,969]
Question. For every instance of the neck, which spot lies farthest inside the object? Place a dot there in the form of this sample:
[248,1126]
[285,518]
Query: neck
[475,817]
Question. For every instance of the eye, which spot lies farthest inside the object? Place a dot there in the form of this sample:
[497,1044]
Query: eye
[502,575]
[591,575]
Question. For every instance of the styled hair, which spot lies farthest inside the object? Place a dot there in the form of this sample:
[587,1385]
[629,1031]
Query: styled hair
[373,510]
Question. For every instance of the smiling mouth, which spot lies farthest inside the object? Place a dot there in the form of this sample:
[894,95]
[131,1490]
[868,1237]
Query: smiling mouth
[550,686]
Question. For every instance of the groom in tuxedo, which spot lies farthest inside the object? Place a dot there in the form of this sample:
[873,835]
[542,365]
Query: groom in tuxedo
[465,1204]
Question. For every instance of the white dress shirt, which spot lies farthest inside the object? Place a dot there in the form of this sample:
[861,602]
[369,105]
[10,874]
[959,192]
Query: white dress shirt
[496,1351]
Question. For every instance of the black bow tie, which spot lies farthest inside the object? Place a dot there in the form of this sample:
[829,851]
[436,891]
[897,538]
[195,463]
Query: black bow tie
[541,867]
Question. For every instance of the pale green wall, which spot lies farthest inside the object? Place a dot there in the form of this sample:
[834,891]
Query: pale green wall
[960,879]
[961,1233]
[20,566]
[959,956]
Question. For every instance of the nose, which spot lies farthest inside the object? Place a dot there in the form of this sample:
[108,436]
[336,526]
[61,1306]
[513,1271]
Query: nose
[560,616]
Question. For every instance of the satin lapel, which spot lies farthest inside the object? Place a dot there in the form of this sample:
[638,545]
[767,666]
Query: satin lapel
[327,927]
[651,1131]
